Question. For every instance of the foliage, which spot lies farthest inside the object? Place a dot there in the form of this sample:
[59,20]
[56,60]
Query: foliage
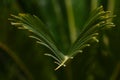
[63,28]
[96,22]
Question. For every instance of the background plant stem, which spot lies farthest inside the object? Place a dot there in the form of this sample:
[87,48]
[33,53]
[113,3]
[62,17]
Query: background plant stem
[111,5]
[71,20]
[20,64]
[94,4]
[115,72]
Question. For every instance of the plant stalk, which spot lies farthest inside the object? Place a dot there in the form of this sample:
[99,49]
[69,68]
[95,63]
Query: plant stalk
[17,61]
[71,20]
[94,4]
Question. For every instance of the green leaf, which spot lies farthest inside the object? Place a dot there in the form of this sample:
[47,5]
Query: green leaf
[97,21]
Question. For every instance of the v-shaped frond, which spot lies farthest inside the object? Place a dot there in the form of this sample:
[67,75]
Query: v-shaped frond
[97,21]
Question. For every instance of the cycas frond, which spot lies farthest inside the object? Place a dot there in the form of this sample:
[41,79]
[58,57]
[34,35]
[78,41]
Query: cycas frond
[96,22]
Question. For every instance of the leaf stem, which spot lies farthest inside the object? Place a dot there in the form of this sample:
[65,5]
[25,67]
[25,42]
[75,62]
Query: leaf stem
[63,63]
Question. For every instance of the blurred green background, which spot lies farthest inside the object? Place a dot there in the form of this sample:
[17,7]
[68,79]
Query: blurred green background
[22,59]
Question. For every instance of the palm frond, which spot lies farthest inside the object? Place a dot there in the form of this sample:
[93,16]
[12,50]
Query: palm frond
[97,21]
